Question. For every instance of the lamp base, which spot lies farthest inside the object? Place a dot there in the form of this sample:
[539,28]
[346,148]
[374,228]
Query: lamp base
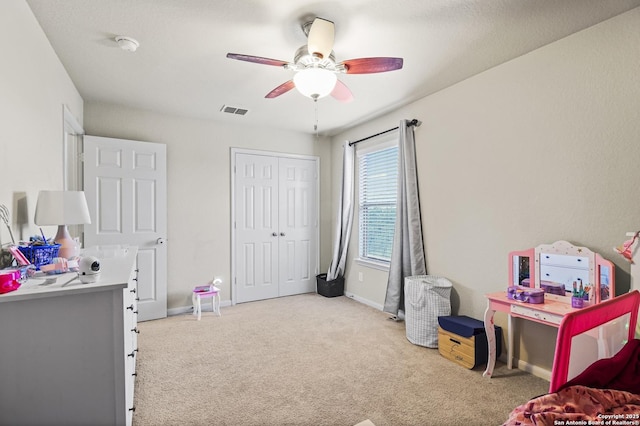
[68,246]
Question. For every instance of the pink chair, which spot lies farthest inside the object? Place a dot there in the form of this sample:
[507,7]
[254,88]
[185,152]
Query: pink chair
[204,291]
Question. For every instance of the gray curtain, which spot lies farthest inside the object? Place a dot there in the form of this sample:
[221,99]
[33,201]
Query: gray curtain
[344,215]
[407,256]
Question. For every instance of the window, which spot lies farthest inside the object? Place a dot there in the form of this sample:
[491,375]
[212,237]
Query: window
[377,202]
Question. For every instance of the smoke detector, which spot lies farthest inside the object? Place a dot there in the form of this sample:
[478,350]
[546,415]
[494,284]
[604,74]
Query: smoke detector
[127,43]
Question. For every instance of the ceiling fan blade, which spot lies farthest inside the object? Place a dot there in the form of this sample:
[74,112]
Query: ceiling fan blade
[257,59]
[341,92]
[372,65]
[320,38]
[280,90]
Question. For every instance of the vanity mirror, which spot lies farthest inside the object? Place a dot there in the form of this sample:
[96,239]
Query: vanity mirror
[560,268]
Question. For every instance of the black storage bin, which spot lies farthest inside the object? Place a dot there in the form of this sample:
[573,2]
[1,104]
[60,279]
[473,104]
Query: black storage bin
[331,288]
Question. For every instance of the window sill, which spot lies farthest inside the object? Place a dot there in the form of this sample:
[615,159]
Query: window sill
[373,264]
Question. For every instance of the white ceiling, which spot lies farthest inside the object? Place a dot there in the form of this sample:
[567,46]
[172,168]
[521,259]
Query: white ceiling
[181,68]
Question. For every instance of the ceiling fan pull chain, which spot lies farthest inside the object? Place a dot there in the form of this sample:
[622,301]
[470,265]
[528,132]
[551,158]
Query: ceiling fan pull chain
[315,126]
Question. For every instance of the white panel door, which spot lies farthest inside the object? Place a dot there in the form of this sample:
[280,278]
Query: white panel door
[126,187]
[275,226]
[298,224]
[256,227]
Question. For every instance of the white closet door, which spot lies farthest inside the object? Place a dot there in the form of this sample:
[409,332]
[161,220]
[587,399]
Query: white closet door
[275,243]
[256,227]
[298,226]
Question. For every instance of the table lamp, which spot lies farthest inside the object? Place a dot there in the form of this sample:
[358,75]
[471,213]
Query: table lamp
[62,208]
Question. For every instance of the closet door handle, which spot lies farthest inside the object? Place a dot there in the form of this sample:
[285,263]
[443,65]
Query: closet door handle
[275,234]
[282,234]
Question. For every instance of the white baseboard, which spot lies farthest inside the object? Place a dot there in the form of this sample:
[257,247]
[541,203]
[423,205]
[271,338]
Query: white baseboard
[188,309]
[363,300]
[529,368]
[534,370]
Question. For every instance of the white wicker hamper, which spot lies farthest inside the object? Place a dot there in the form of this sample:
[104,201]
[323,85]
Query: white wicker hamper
[426,297]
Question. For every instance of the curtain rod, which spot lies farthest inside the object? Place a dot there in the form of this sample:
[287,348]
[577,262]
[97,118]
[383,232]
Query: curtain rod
[413,122]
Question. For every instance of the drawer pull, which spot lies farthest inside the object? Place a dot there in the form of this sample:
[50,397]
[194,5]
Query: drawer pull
[130,307]
[132,409]
[135,330]
[457,342]
[132,290]
[134,374]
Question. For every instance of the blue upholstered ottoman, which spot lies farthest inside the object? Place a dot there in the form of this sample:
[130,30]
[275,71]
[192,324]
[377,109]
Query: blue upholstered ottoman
[463,340]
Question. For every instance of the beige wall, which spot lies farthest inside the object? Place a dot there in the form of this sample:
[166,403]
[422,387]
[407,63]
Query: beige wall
[198,186]
[34,86]
[542,148]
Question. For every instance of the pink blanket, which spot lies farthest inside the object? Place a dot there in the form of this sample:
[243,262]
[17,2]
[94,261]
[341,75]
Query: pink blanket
[609,389]
[578,404]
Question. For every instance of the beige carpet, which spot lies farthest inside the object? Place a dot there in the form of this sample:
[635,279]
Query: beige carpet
[310,360]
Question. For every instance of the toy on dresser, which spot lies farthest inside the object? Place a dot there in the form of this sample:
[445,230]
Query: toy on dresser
[549,287]
[552,288]
[525,294]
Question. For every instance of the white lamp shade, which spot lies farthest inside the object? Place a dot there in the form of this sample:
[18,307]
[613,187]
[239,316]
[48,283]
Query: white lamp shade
[315,82]
[62,208]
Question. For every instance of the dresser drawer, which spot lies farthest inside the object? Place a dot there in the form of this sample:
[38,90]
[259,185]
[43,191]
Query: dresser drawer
[575,262]
[563,275]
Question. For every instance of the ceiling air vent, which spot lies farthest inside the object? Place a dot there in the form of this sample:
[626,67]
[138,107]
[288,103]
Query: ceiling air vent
[234,110]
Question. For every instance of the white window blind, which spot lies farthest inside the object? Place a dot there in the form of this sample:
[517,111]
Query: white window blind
[378,188]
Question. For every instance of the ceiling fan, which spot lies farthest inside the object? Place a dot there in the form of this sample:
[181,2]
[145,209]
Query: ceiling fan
[315,66]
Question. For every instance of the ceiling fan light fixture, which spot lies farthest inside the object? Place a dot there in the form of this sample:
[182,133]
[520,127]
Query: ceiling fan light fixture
[315,83]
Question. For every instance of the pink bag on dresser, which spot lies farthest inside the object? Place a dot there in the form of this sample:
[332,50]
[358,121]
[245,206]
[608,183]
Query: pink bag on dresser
[525,294]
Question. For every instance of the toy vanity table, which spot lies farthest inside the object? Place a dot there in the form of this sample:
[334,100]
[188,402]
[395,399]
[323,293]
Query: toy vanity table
[555,268]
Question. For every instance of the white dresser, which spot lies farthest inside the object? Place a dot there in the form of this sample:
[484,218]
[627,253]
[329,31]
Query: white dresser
[68,352]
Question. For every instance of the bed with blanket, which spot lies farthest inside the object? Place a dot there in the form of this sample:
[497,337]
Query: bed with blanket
[607,391]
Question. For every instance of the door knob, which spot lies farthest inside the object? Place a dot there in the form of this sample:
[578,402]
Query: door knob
[161,241]
[275,234]
[282,234]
